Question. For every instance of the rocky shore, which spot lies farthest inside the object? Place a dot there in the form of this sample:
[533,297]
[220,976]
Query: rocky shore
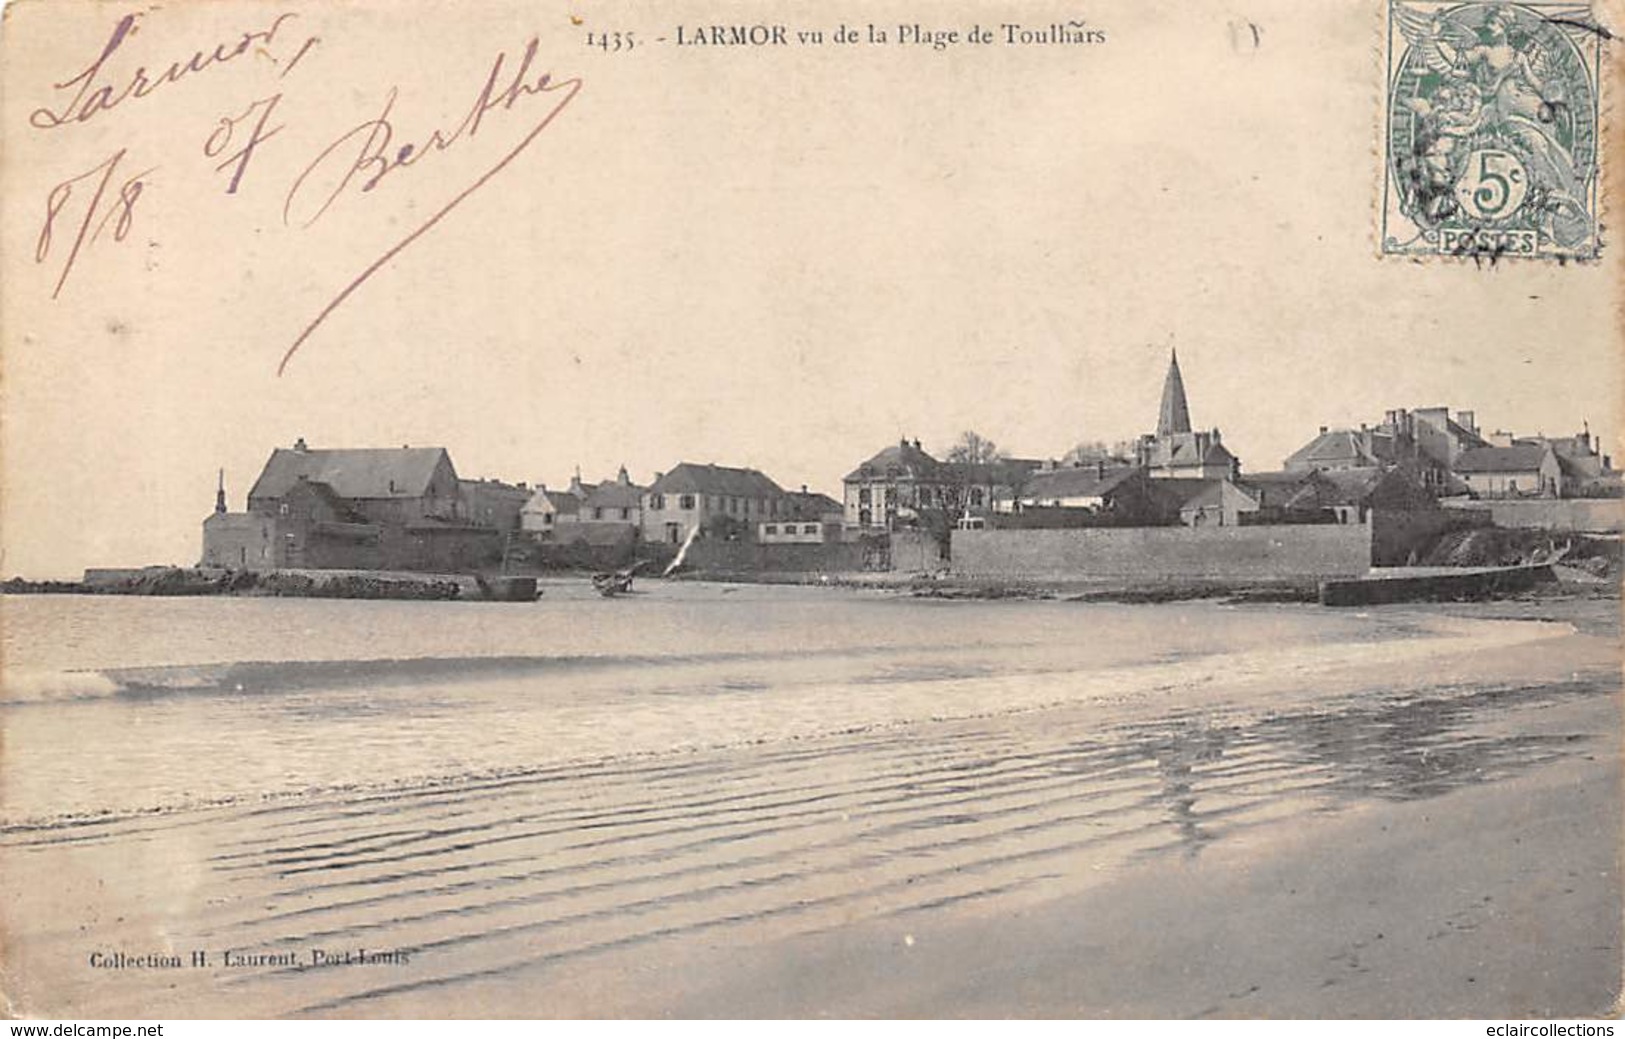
[178,581]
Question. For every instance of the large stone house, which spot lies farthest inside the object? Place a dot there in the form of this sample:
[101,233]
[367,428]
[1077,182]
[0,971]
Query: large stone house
[1427,441]
[900,485]
[383,484]
[355,508]
[724,501]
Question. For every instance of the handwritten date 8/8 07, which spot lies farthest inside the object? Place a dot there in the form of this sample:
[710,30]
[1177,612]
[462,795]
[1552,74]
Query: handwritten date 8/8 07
[612,41]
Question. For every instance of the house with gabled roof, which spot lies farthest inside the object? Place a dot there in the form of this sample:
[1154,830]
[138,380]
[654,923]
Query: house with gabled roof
[614,501]
[1344,449]
[723,500]
[1097,486]
[1522,470]
[1204,502]
[382,484]
[352,508]
[805,517]
[548,508]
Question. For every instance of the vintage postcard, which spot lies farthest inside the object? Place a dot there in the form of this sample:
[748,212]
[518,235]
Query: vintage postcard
[1103,509]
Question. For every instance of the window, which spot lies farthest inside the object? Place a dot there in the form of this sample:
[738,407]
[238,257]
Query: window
[657,501]
[686,501]
[864,517]
[626,514]
[771,529]
[597,513]
[809,528]
[863,496]
[976,497]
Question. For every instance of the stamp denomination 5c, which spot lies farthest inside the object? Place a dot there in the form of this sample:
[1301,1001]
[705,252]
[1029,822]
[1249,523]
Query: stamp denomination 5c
[1492,130]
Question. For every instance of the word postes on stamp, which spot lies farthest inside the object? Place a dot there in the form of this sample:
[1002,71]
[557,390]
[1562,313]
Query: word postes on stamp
[1492,130]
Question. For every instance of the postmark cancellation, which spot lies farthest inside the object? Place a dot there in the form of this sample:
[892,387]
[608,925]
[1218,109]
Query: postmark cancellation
[1492,130]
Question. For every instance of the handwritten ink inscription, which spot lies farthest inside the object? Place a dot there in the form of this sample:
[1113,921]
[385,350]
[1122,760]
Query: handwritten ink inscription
[101,203]
[119,209]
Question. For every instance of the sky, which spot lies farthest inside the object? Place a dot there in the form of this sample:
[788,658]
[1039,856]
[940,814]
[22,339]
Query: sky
[784,258]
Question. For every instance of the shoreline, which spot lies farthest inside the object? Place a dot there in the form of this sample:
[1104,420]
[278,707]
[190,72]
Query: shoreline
[393,585]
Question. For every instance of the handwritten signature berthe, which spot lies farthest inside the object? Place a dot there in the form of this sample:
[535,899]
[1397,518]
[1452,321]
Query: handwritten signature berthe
[376,157]
[357,161]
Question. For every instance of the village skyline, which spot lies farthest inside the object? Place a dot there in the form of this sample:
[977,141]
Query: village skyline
[409,508]
[593,455]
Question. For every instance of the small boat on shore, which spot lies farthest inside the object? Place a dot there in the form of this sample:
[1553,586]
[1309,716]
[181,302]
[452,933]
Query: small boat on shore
[507,588]
[615,582]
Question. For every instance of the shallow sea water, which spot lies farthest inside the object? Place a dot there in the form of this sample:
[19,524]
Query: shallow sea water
[113,704]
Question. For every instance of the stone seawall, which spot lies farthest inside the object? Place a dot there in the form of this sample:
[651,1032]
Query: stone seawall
[1595,515]
[725,557]
[1264,555]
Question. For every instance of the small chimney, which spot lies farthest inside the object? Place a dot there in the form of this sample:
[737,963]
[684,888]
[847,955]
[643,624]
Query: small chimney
[220,495]
[1100,469]
[299,445]
[803,488]
[622,478]
[1322,430]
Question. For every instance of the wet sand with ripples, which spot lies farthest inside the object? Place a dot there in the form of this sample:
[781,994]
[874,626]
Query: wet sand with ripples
[1422,824]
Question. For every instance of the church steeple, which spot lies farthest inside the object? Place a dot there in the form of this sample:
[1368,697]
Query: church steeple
[1175,416]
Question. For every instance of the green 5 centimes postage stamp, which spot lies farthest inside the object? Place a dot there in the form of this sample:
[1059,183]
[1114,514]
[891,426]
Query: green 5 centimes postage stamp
[1492,130]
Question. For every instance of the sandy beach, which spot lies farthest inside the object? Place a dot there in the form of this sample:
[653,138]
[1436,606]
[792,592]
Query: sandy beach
[1424,822]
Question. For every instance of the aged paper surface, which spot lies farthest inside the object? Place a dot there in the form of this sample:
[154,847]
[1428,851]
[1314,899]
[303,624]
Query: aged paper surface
[557,238]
